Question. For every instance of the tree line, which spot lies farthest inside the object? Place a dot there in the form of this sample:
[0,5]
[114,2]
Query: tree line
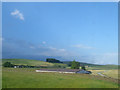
[52,60]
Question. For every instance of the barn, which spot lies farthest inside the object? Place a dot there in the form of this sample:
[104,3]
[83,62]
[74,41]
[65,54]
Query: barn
[80,71]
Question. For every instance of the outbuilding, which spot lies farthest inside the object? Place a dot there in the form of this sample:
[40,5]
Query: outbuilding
[65,71]
[84,72]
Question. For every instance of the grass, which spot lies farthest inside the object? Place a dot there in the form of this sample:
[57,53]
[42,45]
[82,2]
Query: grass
[28,78]
[31,62]
[0,77]
[108,73]
[103,67]
[26,62]
[111,73]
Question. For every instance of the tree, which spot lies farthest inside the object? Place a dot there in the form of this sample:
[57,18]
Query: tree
[8,64]
[75,65]
[83,67]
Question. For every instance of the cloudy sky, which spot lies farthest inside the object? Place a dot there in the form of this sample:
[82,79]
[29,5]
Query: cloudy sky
[86,32]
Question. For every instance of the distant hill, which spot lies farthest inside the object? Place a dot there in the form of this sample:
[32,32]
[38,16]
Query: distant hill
[81,63]
[103,67]
[94,66]
[32,62]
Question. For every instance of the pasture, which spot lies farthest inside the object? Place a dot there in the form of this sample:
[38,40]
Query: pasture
[103,67]
[26,62]
[28,78]
[33,62]
[108,73]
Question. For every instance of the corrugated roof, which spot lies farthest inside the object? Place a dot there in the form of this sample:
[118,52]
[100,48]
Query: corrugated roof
[62,70]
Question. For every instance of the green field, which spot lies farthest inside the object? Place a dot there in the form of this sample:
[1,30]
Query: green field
[107,73]
[28,78]
[32,62]
[103,67]
[0,77]
[26,62]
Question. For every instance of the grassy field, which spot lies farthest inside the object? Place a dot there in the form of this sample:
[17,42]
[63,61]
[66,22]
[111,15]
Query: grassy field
[103,67]
[108,73]
[31,62]
[26,62]
[28,78]
[0,77]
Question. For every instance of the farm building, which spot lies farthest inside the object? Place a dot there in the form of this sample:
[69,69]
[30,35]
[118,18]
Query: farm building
[65,71]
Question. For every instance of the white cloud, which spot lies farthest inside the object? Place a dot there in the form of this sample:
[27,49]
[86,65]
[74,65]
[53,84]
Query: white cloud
[17,14]
[55,49]
[82,46]
[52,48]
[106,58]
[1,39]
[43,42]
[62,50]
[52,51]
[24,48]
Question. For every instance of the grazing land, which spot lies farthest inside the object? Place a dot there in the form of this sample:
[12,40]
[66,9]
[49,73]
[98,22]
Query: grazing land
[28,78]
[27,62]
[107,73]
[0,77]
[103,67]
[33,62]
[106,70]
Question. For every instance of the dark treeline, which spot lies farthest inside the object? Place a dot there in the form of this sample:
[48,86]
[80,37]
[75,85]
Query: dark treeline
[52,60]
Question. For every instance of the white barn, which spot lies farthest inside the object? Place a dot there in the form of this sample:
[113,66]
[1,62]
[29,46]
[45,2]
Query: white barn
[64,71]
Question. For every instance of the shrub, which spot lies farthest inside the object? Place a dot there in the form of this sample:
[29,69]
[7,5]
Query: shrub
[75,65]
[8,64]
[83,67]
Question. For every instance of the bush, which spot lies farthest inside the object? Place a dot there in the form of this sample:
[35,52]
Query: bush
[8,64]
[75,65]
[83,67]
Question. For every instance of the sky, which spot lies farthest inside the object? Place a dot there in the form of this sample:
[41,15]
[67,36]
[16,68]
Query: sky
[84,31]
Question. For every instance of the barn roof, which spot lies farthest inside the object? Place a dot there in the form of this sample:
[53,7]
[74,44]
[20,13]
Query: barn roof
[62,70]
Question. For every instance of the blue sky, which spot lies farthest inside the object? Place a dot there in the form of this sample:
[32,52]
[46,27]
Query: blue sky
[86,32]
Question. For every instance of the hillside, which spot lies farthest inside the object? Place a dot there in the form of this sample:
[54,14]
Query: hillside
[32,62]
[81,63]
[64,64]
[94,66]
[103,67]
